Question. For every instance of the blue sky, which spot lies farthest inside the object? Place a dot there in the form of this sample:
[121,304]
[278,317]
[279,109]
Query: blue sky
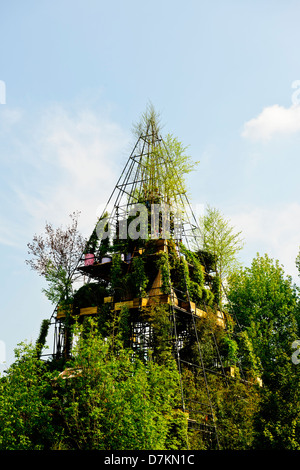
[78,74]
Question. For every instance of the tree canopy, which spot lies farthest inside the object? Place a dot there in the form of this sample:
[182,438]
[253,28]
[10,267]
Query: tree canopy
[54,255]
[265,303]
[219,238]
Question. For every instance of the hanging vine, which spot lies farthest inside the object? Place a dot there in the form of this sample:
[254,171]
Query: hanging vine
[163,264]
[139,278]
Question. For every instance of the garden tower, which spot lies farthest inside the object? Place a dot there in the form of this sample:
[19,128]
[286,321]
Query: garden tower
[143,265]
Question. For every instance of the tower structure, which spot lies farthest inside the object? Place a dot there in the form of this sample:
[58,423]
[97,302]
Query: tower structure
[144,262]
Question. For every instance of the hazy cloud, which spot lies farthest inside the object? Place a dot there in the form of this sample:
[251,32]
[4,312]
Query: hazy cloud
[9,117]
[63,162]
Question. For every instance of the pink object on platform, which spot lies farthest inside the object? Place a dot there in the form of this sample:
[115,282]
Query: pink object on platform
[89,259]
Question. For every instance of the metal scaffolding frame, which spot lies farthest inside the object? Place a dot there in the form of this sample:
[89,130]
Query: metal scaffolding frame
[132,181]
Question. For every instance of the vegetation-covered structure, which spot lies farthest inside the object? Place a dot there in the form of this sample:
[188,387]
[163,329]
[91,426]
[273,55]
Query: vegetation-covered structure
[146,280]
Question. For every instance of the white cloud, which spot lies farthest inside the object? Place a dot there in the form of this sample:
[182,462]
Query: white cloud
[273,120]
[271,230]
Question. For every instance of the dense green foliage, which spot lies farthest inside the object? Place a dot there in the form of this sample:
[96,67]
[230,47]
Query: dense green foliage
[25,405]
[109,397]
[105,399]
[117,402]
[266,306]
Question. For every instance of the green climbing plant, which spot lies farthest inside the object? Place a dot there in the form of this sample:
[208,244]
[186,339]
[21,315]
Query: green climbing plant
[163,264]
[139,277]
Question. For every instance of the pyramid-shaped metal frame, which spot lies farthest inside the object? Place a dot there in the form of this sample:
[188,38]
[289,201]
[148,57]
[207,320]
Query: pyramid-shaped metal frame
[134,181]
